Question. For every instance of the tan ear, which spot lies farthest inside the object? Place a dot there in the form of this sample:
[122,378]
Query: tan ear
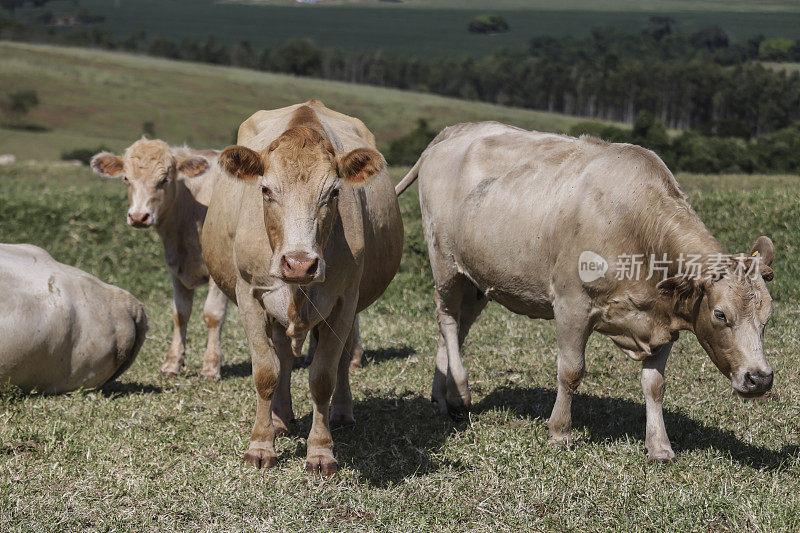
[360,165]
[681,287]
[107,164]
[764,248]
[241,162]
[194,166]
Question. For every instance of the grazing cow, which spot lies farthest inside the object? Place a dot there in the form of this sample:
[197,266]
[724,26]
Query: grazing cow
[304,233]
[549,226]
[169,189]
[60,328]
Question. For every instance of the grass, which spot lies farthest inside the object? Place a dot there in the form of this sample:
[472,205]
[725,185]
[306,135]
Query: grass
[152,453]
[435,28]
[93,97]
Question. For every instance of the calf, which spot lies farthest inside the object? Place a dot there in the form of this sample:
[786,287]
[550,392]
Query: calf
[303,233]
[60,328]
[597,236]
[169,190]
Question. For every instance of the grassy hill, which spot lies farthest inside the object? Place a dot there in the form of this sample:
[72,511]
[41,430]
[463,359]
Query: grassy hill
[93,97]
[426,28]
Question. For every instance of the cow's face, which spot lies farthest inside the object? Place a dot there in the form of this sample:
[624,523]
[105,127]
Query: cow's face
[300,176]
[149,170]
[729,312]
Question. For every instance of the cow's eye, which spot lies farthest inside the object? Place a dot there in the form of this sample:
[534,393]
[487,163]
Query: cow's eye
[162,182]
[266,192]
[333,196]
[719,315]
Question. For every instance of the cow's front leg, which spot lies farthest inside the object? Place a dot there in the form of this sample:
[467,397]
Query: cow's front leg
[572,332]
[266,368]
[656,441]
[282,411]
[214,311]
[181,311]
[322,382]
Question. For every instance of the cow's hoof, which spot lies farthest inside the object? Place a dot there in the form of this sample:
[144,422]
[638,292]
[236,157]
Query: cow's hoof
[171,369]
[342,421]
[458,413]
[562,441]
[211,375]
[324,465]
[662,455]
[281,427]
[355,365]
[169,373]
[260,458]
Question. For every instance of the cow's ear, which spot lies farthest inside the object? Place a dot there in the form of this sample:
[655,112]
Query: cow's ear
[107,164]
[764,249]
[194,166]
[360,165]
[241,162]
[682,287]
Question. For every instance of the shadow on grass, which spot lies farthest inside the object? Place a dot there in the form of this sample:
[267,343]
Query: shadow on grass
[394,438]
[35,128]
[376,357]
[611,419]
[236,370]
[116,389]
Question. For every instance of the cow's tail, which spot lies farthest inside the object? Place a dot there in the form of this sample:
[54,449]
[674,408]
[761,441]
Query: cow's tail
[410,178]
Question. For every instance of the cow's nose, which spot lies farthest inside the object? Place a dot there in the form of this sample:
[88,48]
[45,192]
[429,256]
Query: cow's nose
[758,382]
[139,220]
[299,267]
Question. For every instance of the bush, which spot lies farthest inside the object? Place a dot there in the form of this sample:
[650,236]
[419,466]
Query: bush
[777,49]
[407,149]
[488,24]
[84,155]
[606,132]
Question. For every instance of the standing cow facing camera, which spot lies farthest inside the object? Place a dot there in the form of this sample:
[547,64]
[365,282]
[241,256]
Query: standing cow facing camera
[169,189]
[597,236]
[303,233]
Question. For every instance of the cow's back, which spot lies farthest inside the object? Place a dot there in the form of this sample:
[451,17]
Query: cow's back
[61,328]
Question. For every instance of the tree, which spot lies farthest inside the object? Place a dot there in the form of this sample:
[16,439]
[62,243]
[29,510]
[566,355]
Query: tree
[710,38]
[17,104]
[488,23]
[777,49]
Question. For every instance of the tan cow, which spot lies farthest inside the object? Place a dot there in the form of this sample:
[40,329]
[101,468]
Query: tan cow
[169,189]
[553,227]
[60,328]
[304,233]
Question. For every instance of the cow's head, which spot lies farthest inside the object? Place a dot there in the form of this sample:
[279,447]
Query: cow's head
[728,310]
[300,176]
[149,169]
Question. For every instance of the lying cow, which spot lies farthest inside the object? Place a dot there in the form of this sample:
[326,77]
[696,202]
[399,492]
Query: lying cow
[169,189]
[508,215]
[304,233]
[60,328]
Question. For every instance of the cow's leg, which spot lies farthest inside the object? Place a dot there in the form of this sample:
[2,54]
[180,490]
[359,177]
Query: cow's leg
[472,303]
[656,440]
[572,331]
[313,338]
[448,310]
[322,378]
[342,401]
[214,311]
[182,299]
[355,349]
[282,412]
[266,368]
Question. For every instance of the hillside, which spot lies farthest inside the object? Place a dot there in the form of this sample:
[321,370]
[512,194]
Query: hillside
[91,97]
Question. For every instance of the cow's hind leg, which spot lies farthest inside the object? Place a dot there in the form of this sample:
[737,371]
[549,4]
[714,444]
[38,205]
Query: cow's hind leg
[656,440]
[355,350]
[282,411]
[214,312]
[342,401]
[182,299]
[572,330]
[457,306]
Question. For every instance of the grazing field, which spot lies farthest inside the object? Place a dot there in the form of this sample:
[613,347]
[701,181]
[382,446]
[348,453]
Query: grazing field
[152,453]
[93,97]
[425,29]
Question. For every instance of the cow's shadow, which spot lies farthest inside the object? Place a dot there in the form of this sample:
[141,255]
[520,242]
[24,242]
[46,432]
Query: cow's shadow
[376,357]
[400,437]
[116,389]
[614,419]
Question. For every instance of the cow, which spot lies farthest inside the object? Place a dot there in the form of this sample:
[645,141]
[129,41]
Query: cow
[303,233]
[60,328]
[169,189]
[548,226]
